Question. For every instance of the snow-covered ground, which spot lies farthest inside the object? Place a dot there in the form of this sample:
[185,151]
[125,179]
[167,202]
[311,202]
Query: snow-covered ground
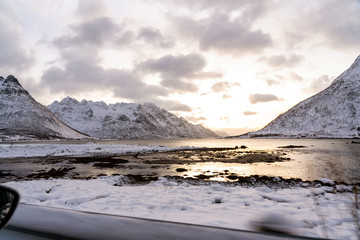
[88,149]
[308,211]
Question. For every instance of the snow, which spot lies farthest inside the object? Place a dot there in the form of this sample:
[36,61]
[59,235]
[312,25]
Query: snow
[85,149]
[307,211]
[327,181]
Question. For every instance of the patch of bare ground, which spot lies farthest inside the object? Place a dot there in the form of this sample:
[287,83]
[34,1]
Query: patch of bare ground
[55,173]
[212,155]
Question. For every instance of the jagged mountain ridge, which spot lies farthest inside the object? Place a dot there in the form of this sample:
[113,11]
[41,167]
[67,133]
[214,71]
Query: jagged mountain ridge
[125,120]
[23,118]
[332,113]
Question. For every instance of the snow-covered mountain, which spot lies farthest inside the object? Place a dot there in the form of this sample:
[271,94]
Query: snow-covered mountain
[332,113]
[23,118]
[125,120]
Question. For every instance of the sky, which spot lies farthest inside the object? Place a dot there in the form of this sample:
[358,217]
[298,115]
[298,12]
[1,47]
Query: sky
[230,65]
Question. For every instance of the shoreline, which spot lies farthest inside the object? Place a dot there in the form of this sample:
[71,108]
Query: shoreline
[143,167]
[148,164]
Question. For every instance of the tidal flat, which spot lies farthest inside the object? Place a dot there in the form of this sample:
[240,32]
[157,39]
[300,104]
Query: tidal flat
[194,164]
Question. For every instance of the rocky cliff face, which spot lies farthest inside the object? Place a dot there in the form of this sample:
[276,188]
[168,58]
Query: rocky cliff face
[23,118]
[332,113]
[125,120]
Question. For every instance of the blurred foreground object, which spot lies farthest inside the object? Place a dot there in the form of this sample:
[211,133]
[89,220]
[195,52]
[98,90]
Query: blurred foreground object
[9,200]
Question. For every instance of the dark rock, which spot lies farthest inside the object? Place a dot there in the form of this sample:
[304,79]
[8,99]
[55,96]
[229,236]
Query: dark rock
[232,177]
[181,170]
[292,146]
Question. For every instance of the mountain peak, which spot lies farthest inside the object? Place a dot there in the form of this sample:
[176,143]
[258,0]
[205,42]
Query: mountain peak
[12,79]
[69,100]
[357,59]
[350,74]
[11,85]
[332,113]
[356,65]
[22,117]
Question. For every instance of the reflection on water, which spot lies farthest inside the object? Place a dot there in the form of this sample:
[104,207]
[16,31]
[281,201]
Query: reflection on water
[337,159]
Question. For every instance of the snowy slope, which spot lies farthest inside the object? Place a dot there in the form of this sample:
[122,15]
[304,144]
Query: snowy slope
[332,113]
[125,120]
[21,117]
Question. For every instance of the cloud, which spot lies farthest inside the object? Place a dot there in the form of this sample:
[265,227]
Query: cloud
[226,96]
[171,105]
[95,33]
[176,71]
[220,33]
[224,118]
[97,29]
[335,23]
[14,57]
[181,66]
[249,10]
[75,77]
[81,69]
[223,86]
[126,84]
[91,8]
[154,36]
[257,97]
[272,77]
[271,82]
[295,76]
[282,60]
[85,75]
[249,113]
[319,84]
[195,119]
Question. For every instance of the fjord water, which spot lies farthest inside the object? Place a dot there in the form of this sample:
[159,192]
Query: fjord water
[337,159]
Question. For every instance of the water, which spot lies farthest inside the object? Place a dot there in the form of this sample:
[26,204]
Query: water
[337,159]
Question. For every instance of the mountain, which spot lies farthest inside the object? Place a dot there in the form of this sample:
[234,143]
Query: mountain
[125,120]
[332,113]
[222,133]
[23,118]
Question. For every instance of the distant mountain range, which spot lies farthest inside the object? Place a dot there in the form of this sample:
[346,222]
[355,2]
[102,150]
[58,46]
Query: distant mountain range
[23,118]
[332,113]
[125,120]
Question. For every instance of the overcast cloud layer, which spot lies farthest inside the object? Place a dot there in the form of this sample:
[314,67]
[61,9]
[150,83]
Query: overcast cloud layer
[215,62]
[13,56]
